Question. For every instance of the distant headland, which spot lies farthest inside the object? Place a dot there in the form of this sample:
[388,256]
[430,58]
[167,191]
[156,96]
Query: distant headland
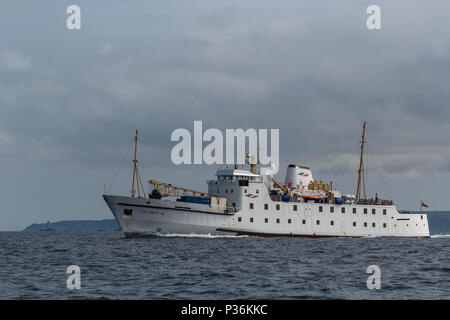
[76,225]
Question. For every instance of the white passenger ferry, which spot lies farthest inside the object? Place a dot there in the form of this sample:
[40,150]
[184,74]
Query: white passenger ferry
[242,201]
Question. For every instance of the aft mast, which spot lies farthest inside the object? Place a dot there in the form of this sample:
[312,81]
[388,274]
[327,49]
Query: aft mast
[361,167]
[136,176]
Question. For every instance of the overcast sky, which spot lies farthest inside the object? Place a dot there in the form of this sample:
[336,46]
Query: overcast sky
[70,100]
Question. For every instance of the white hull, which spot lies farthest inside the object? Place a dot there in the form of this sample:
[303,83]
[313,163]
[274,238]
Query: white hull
[141,216]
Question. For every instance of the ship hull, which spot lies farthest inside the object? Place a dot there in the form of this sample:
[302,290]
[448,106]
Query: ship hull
[140,217]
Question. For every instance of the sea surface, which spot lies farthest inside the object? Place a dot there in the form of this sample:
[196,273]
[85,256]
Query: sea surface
[33,266]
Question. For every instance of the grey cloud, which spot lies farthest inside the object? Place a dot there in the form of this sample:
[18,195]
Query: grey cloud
[14,60]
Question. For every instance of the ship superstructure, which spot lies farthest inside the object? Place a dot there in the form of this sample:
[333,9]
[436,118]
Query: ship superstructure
[242,201]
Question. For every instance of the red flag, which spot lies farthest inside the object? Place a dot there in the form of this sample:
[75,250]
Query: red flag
[424,205]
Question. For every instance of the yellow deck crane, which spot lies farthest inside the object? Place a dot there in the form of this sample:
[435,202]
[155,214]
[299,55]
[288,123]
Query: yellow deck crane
[327,188]
[288,192]
[168,190]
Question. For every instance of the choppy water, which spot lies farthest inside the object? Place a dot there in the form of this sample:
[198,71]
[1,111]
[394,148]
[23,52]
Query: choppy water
[33,266]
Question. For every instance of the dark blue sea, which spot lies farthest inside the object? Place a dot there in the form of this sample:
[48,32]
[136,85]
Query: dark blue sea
[33,266]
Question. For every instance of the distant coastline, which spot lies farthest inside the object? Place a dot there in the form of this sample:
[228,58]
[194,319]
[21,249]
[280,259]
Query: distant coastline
[76,225]
[439,222]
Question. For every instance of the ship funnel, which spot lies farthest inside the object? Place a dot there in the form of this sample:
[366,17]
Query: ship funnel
[298,176]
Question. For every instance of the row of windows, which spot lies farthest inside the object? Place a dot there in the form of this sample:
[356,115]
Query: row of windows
[231,190]
[235,178]
[266,220]
[277,207]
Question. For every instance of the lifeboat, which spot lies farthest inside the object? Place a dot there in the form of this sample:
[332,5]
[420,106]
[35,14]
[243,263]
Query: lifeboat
[312,196]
